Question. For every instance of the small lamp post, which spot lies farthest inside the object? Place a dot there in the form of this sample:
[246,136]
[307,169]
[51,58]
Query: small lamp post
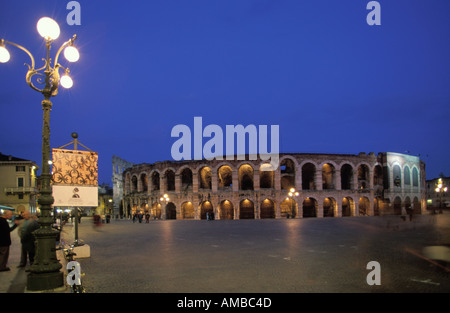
[292,193]
[440,189]
[45,272]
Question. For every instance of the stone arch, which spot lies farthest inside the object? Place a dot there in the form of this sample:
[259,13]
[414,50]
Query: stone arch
[170,179]
[348,206]
[206,207]
[415,177]
[377,204]
[378,175]
[226,209]
[310,207]
[246,209]
[308,176]
[407,176]
[186,178]
[155,180]
[171,211]
[225,176]
[397,175]
[346,176]
[134,183]
[144,182]
[364,206]
[266,176]
[363,176]
[267,209]
[156,211]
[287,171]
[328,176]
[205,177]
[329,207]
[245,174]
[289,208]
[187,211]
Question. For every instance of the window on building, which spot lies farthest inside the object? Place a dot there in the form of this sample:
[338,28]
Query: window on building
[20,168]
[19,181]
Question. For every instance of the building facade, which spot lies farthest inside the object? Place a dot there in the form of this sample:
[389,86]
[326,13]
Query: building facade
[18,183]
[328,185]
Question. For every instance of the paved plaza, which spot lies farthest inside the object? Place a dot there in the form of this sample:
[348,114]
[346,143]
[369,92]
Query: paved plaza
[259,256]
[276,256]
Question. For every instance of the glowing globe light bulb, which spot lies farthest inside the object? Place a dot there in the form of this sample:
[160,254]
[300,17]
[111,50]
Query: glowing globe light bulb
[66,81]
[48,28]
[4,55]
[71,54]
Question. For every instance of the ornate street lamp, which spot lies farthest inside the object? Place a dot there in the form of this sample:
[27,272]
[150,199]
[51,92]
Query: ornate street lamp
[164,199]
[440,189]
[45,272]
[292,193]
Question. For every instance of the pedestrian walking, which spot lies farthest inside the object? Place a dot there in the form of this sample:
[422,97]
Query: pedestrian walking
[5,239]
[27,239]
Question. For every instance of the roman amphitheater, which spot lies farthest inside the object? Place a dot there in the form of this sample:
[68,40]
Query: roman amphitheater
[304,185]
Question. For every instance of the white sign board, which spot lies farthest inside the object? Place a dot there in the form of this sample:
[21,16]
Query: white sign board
[78,196]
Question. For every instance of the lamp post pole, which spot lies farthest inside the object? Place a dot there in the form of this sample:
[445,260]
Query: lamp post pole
[45,271]
[440,189]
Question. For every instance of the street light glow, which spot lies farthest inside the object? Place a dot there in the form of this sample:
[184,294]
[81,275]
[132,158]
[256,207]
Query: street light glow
[66,81]
[4,55]
[48,28]
[71,54]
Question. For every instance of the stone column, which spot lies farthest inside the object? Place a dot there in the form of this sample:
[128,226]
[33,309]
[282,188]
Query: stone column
[256,180]
[177,183]
[318,180]
[195,182]
[235,180]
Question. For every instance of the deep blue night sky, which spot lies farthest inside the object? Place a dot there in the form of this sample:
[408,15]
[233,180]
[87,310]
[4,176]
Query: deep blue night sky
[331,82]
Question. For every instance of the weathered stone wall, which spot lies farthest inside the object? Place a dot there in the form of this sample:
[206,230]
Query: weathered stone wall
[328,185]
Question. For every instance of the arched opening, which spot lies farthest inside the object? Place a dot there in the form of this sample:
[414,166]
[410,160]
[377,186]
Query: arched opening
[171,211]
[363,176]
[186,179]
[245,177]
[156,211]
[397,206]
[308,175]
[377,204]
[348,206]
[226,210]
[346,177]
[187,211]
[363,206]
[155,181]
[407,176]
[289,208]
[170,180]
[378,176]
[204,178]
[408,206]
[329,207]
[328,176]
[266,176]
[206,207]
[225,175]
[415,177]
[267,209]
[246,209]
[310,207]
[287,169]
[134,184]
[397,172]
[144,182]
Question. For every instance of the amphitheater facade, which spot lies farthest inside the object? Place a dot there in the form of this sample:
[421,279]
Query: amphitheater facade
[328,185]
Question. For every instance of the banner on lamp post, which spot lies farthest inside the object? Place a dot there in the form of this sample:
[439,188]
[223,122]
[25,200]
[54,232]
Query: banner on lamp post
[75,178]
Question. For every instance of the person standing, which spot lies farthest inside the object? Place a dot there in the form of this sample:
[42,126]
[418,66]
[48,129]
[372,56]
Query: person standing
[5,239]
[26,236]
